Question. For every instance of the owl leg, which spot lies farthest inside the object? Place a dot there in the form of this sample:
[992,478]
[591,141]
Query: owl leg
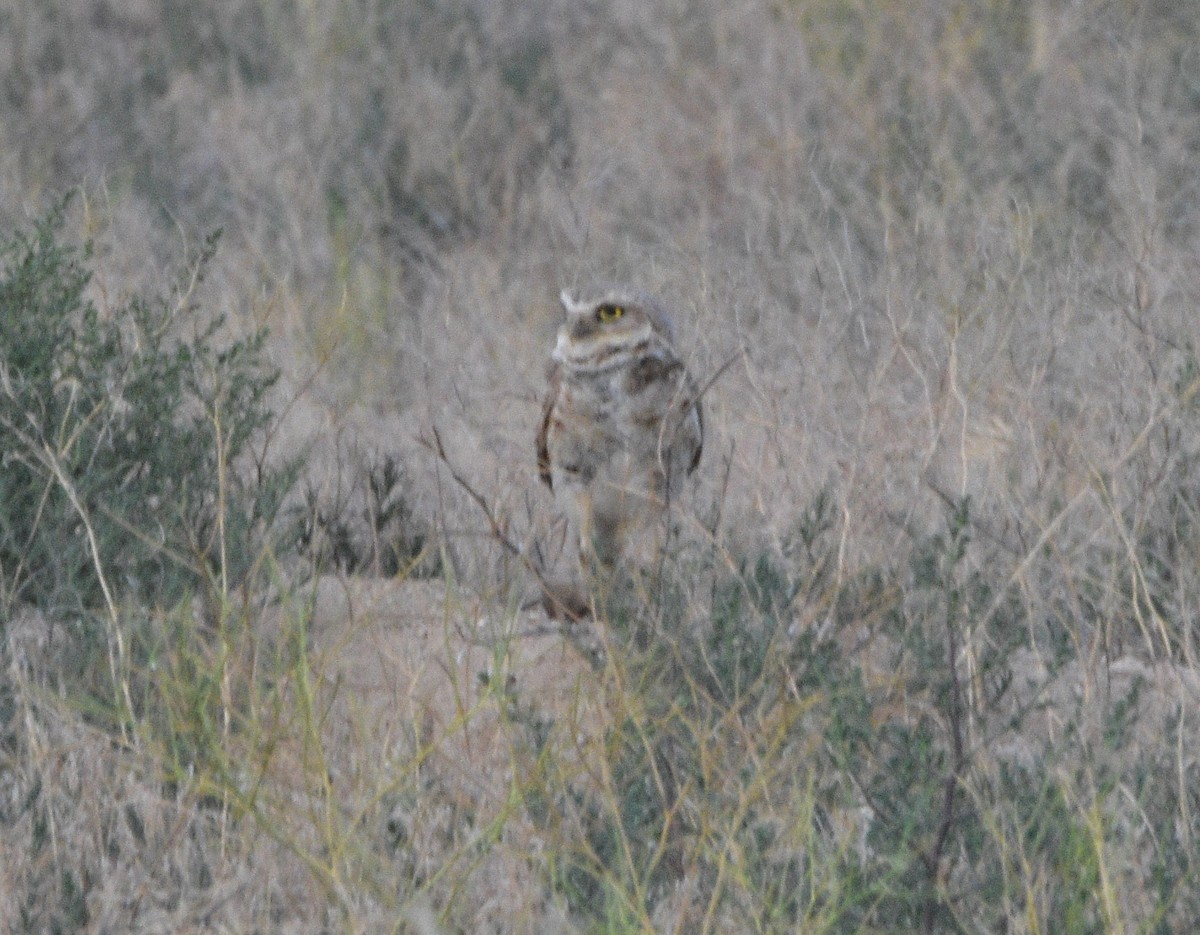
[647,534]
[647,539]
[584,514]
[599,535]
[606,540]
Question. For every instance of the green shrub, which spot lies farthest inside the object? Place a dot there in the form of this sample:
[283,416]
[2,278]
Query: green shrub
[122,433]
[821,756]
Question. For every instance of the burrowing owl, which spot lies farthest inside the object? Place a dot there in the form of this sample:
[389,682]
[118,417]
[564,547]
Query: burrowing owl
[622,425]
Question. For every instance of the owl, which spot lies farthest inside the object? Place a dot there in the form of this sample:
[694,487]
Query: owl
[622,425]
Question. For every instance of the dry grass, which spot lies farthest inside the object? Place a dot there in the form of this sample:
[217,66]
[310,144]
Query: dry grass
[926,657]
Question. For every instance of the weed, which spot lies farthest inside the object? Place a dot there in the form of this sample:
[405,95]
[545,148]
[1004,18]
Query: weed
[368,524]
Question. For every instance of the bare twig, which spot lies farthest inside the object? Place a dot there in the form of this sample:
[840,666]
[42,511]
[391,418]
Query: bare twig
[720,372]
[557,603]
[498,533]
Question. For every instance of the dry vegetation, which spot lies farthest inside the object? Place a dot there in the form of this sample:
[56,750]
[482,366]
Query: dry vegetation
[925,657]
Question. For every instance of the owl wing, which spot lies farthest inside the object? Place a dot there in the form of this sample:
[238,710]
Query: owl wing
[690,428]
[543,435]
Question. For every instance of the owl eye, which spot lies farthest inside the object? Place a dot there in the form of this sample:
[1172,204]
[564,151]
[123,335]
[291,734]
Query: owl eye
[609,312]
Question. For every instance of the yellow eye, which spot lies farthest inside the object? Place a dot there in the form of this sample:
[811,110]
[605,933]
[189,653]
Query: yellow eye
[609,312]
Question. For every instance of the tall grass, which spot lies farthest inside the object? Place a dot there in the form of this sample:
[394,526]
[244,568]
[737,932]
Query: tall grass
[923,657]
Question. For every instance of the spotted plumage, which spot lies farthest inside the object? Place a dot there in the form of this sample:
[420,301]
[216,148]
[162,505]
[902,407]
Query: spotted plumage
[622,425]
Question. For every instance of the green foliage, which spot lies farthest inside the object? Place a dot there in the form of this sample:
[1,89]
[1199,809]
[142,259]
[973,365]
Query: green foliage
[828,790]
[136,504]
[125,434]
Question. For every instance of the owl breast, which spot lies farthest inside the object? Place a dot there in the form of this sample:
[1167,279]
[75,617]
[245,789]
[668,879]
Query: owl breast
[617,421]
[621,428]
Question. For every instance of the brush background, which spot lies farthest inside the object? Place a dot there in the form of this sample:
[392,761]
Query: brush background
[950,245]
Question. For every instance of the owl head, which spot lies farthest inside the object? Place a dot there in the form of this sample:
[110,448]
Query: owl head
[614,318]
